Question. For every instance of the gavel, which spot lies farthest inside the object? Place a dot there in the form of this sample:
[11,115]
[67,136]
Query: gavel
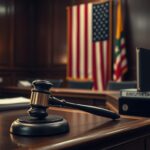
[38,118]
[41,99]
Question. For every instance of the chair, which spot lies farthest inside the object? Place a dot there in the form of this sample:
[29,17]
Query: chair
[57,83]
[80,84]
[114,86]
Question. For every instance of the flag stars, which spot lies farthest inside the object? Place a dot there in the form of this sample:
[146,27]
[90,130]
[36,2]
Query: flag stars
[100,21]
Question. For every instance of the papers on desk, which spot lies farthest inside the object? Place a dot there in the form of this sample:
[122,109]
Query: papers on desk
[24,83]
[14,103]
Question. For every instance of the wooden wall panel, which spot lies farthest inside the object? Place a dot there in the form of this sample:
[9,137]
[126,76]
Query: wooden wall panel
[59,34]
[6,78]
[33,36]
[44,31]
[23,37]
[4,33]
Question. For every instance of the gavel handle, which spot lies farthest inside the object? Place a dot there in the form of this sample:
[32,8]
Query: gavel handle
[91,109]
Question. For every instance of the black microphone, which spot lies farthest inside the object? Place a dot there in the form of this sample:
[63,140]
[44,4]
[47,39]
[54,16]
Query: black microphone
[41,98]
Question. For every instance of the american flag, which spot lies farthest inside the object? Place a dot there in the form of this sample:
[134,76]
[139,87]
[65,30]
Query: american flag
[120,59]
[89,43]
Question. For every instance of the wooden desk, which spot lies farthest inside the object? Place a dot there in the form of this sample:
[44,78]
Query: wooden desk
[86,132]
[89,97]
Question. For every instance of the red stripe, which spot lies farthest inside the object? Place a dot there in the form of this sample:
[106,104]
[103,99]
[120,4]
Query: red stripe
[102,63]
[123,57]
[86,42]
[78,41]
[70,42]
[119,72]
[94,61]
[119,69]
[123,69]
[94,67]
[122,46]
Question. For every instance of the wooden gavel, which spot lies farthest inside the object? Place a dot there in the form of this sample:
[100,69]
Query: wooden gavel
[39,123]
[41,99]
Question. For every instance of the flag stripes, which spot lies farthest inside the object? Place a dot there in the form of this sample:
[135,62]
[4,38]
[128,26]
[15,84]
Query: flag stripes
[120,60]
[88,59]
[120,65]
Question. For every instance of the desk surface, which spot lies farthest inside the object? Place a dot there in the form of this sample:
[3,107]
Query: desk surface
[85,130]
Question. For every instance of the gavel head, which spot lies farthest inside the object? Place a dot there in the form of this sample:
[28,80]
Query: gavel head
[39,98]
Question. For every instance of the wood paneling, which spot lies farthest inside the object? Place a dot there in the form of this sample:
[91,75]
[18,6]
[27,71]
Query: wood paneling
[23,37]
[4,33]
[33,36]
[43,33]
[59,34]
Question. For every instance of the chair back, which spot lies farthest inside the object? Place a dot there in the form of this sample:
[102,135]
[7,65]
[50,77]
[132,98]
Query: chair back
[80,84]
[114,86]
[57,83]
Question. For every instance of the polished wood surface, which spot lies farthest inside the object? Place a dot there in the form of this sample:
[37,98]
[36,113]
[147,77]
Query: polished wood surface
[86,131]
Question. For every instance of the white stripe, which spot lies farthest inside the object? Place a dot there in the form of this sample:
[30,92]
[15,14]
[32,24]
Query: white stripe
[118,59]
[114,76]
[104,43]
[74,39]
[82,39]
[123,63]
[98,66]
[116,49]
[119,79]
[123,51]
[90,54]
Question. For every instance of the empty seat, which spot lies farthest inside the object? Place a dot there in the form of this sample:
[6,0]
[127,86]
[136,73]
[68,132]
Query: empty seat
[114,86]
[57,83]
[80,84]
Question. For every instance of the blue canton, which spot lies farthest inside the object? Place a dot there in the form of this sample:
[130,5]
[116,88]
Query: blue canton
[100,22]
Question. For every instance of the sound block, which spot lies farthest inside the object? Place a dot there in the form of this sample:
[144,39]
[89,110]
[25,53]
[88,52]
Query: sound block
[30,126]
[134,106]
